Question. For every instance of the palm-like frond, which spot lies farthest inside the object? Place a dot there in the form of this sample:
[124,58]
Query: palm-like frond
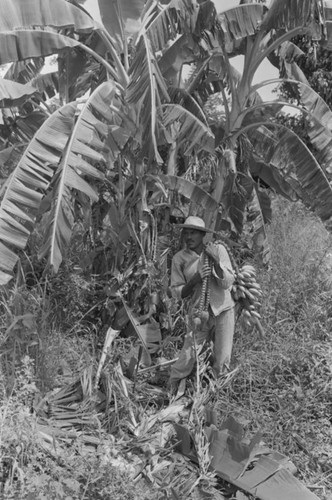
[28,184]
[85,148]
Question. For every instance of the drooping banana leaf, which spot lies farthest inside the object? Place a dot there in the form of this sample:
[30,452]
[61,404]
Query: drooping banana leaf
[184,50]
[272,177]
[14,94]
[47,84]
[28,184]
[240,22]
[184,98]
[286,51]
[149,334]
[192,133]
[24,71]
[86,147]
[179,16]
[18,14]
[27,125]
[29,43]
[191,191]
[283,149]
[28,29]
[320,129]
[312,101]
[72,64]
[287,15]
[259,213]
[9,158]
[320,118]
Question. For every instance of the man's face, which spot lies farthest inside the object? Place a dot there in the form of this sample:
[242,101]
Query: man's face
[194,239]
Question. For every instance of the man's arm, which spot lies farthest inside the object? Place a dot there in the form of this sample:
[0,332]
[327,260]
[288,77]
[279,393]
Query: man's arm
[180,288]
[221,264]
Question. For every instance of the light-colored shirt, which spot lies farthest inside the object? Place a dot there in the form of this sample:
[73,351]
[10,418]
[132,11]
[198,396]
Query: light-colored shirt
[186,263]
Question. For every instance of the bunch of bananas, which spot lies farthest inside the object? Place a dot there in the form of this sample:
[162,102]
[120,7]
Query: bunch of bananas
[247,292]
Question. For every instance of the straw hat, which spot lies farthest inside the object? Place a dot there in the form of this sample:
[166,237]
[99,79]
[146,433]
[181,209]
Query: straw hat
[196,223]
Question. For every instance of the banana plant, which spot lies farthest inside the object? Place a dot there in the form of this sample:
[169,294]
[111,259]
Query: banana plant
[136,118]
[259,148]
[121,116]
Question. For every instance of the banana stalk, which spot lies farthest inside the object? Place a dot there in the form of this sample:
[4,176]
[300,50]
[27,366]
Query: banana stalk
[202,314]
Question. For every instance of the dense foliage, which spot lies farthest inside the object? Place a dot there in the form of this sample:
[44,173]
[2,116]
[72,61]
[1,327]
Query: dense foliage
[280,383]
[123,135]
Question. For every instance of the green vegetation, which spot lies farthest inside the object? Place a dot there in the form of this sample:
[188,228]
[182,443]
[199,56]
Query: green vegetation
[280,384]
[100,156]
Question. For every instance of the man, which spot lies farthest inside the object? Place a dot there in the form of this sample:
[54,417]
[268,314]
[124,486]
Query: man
[188,271]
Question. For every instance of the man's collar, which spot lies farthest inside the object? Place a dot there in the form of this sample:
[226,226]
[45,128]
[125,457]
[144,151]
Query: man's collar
[192,252]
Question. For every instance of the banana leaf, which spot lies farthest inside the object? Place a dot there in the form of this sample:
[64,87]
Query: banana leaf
[284,150]
[191,191]
[148,86]
[85,148]
[259,215]
[121,18]
[14,94]
[30,43]
[28,184]
[18,14]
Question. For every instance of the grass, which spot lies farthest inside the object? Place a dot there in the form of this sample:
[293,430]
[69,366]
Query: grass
[284,384]
[281,386]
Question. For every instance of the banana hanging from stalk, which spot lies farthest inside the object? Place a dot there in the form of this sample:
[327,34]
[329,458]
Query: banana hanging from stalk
[248,293]
[202,314]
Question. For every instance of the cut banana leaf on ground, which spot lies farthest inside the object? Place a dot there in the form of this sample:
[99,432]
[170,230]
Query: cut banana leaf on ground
[253,468]
[149,333]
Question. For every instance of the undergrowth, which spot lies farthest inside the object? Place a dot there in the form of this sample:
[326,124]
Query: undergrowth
[283,387]
[51,331]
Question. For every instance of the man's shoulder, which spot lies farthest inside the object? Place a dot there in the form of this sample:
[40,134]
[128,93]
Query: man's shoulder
[221,246]
[180,253]
[183,255]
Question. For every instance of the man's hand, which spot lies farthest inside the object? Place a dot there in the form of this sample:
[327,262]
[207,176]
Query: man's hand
[212,251]
[189,287]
